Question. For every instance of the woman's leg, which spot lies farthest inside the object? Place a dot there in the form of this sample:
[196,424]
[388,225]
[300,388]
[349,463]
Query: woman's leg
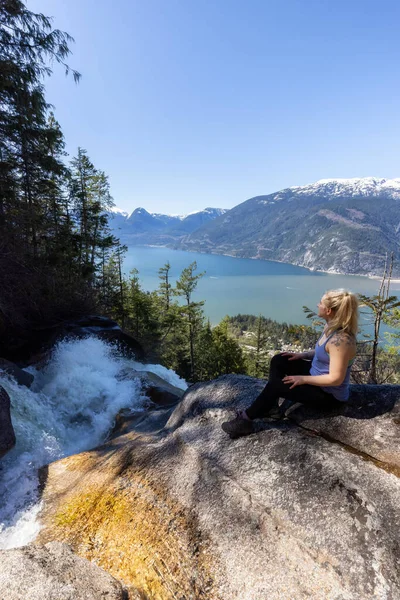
[306,394]
[309,395]
[281,365]
[275,388]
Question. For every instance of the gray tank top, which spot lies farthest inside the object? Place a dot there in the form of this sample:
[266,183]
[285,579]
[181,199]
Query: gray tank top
[320,366]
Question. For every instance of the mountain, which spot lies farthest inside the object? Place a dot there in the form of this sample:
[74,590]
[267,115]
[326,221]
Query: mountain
[117,219]
[193,221]
[142,227]
[335,225]
[141,221]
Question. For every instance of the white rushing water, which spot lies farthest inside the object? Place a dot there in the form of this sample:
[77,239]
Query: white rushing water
[70,408]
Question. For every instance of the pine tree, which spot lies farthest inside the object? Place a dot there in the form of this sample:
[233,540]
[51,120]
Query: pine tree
[383,307]
[141,314]
[27,42]
[54,236]
[228,354]
[169,319]
[191,312]
[31,170]
[206,354]
[165,287]
[91,199]
[112,287]
[258,359]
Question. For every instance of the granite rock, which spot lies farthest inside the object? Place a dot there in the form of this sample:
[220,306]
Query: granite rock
[181,511]
[54,572]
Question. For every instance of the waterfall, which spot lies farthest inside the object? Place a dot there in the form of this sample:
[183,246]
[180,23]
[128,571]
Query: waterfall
[70,408]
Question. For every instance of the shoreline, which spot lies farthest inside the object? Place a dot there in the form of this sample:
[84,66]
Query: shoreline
[374,277]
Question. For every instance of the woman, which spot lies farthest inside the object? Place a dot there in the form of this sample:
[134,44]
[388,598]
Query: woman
[322,383]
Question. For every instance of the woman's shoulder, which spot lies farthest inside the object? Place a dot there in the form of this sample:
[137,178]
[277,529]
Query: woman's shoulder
[342,339]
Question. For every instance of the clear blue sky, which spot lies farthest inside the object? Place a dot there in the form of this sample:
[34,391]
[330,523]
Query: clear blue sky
[188,104]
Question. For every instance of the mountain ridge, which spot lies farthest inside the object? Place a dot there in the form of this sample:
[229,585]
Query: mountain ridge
[143,227]
[334,225]
[337,226]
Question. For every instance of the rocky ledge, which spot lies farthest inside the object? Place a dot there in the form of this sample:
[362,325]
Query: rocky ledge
[55,572]
[307,507]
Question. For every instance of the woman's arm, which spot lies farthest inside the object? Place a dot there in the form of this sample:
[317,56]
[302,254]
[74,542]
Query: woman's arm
[341,349]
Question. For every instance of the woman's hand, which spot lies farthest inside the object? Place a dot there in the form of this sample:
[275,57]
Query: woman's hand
[294,380]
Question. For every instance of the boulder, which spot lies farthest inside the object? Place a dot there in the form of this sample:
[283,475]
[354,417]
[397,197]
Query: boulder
[20,376]
[54,572]
[369,423]
[41,340]
[157,389]
[184,512]
[163,396]
[124,341]
[160,391]
[7,435]
[106,329]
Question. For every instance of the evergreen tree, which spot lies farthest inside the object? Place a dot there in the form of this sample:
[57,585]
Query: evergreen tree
[171,330]
[31,171]
[83,174]
[261,359]
[53,224]
[191,312]
[141,314]
[165,287]
[217,352]
[91,199]
[102,202]
[112,286]
[206,354]
[27,42]
[384,307]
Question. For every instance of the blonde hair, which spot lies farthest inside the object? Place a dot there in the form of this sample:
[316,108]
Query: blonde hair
[344,306]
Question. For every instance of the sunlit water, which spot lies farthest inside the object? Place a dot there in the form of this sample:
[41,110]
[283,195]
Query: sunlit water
[71,407]
[237,285]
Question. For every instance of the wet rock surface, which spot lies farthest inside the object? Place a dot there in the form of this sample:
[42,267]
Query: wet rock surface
[20,376]
[159,391]
[105,329]
[7,435]
[34,347]
[181,511]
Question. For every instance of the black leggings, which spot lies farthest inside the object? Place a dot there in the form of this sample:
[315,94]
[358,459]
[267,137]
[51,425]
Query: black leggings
[311,395]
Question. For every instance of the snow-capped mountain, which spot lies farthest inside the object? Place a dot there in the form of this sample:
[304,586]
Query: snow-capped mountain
[336,225]
[142,227]
[192,221]
[348,188]
[118,211]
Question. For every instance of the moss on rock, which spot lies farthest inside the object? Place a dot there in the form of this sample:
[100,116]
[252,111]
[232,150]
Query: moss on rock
[132,529]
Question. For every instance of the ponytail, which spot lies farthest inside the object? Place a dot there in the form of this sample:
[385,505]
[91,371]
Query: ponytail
[344,307]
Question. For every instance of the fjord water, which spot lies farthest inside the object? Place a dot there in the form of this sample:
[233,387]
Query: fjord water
[239,285]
